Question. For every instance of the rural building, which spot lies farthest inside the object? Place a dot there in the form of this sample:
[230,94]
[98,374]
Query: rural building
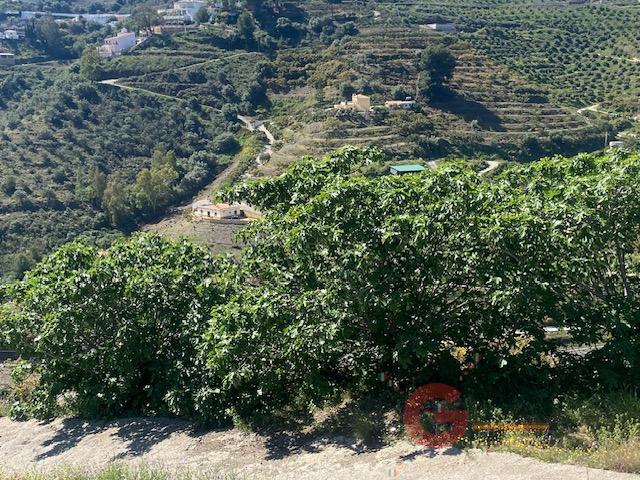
[442,27]
[117,45]
[359,103]
[402,104]
[616,144]
[205,209]
[10,35]
[182,11]
[404,169]
[7,59]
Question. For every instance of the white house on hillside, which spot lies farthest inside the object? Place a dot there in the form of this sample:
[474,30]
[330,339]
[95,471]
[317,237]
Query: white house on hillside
[182,11]
[406,104]
[205,209]
[117,45]
[442,27]
[10,35]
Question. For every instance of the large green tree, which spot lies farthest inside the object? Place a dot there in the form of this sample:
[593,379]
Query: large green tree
[117,328]
[436,65]
[90,67]
[349,276]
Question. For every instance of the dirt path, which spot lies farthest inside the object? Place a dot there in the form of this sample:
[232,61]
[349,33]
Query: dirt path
[174,445]
[114,83]
[252,126]
[591,108]
[493,164]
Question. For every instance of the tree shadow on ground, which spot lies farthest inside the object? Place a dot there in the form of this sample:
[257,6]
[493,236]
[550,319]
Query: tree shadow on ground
[70,434]
[138,435]
[362,426]
[141,434]
[469,110]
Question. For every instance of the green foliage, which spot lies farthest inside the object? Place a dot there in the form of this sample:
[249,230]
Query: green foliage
[49,35]
[419,265]
[154,186]
[346,277]
[202,15]
[226,143]
[118,328]
[145,17]
[436,65]
[246,27]
[67,139]
[90,64]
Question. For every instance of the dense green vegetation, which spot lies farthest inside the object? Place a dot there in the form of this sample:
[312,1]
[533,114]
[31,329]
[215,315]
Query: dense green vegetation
[347,277]
[585,54]
[351,273]
[72,150]
[67,141]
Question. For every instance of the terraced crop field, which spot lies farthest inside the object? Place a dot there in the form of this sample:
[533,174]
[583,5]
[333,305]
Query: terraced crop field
[494,109]
[513,95]
[585,53]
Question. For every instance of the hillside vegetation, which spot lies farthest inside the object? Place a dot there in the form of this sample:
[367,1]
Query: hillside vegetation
[346,277]
[66,139]
[72,153]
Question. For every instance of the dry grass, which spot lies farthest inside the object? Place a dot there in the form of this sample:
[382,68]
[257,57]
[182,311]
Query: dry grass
[601,432]
[117,472]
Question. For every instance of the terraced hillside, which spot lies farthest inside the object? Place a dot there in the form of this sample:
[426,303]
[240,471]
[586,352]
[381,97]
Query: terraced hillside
[493,109]
[583,52]
[72,152]
[523,68]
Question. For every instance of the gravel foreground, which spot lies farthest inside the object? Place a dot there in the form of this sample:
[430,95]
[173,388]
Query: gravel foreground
[175,445]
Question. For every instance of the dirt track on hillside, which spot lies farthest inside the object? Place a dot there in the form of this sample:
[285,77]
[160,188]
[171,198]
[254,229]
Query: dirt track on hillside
[177,446]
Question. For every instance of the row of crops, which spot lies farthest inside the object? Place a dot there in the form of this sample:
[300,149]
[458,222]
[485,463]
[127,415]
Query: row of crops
[584,53]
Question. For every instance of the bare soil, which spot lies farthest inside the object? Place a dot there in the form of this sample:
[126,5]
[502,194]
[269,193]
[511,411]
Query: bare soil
[178,446]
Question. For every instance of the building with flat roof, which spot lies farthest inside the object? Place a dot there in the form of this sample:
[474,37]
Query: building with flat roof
[442,27]
[117,45]
[404,169]
[359,103]
[7,59]
[402,104]
[207,210]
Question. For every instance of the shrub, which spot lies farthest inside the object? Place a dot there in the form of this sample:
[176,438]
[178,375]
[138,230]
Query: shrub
[226,143]
[117,328]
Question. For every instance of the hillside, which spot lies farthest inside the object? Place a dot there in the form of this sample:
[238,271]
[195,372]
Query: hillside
[522,71]
[65,140]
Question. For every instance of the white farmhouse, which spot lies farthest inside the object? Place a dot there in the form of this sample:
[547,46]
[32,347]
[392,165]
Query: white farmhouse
[10,35]
[117,45]
[182,11]
[190,8]
[406,104]
[442,27]
[205,209]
